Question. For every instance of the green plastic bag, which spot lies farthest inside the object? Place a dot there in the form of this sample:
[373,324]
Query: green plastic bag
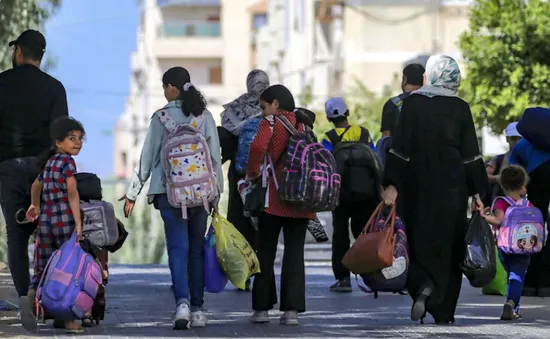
[499,285]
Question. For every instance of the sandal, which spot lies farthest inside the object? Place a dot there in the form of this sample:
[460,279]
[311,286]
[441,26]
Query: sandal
[88,322]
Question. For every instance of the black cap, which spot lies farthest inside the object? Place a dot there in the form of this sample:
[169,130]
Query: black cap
[31,39]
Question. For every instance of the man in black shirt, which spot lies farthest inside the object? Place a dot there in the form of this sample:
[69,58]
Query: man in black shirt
[29,101]
[413,79]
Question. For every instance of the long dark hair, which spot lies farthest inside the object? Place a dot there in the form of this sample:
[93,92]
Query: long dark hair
[192,101]
[282,95]
[59,130]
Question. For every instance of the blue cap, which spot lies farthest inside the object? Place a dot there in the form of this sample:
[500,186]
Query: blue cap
[512,130]
[335,108]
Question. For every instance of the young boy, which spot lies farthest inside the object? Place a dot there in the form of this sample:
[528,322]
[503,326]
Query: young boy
[358,165]
[513,180]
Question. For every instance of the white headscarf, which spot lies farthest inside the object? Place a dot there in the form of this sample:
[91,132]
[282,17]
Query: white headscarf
[442,77]
[247,105]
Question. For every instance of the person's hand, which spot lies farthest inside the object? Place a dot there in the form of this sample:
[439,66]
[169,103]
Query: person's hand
[215,204]
[78,231]
[128,205]
[390,195]
[477,204]
[32,213]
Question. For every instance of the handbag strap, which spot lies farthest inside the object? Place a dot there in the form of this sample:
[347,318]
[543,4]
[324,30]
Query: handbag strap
[371,224]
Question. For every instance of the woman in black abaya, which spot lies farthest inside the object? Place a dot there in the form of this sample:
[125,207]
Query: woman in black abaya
[435,164]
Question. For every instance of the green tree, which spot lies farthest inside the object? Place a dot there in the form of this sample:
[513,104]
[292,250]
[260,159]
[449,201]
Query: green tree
[19,15]
[364,105]
[506,51]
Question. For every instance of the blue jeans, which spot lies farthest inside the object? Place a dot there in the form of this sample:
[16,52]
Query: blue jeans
[516,266]
[185,244]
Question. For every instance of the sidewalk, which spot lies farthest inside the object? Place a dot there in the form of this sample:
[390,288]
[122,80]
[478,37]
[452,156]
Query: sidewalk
[140,305]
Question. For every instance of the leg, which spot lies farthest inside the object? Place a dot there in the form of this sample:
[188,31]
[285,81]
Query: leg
[340,241]
[293,279]
[44,248]
[177,243]
[16,177]
[264,291]
[235,210]
[197,230]
[361,214]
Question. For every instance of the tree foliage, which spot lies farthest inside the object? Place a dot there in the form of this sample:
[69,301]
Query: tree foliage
[17,16]
[507,53]
[365,108]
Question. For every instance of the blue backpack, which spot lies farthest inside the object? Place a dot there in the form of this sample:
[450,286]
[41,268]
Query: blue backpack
[248,133]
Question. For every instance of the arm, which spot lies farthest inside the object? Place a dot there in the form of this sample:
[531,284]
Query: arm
[401,149]
[59,108]
[478,181]
[258,149]
[389,118]
[491,169]
[68,172]
[213,140]
[495,220]
[150,154]
[326,143]
[36,190]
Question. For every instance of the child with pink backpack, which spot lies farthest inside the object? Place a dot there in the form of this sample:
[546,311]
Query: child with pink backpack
[520,231]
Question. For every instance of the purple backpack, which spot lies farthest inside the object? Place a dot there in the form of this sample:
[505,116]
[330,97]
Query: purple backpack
[309,179]
[522,230]
[394,278]
[69,283]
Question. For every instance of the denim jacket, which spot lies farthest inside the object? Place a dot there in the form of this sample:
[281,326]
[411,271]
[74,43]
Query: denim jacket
[150,162]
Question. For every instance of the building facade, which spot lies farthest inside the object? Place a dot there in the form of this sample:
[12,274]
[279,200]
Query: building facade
[212,39]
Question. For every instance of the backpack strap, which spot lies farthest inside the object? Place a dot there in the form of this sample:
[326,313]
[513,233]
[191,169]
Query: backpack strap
[397,102]
[334,137]
[166,120]
[365,136]
[171,125]
[287,124]
[507,199]
[498,162]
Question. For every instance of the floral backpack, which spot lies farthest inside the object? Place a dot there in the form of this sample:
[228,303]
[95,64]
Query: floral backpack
[188,170]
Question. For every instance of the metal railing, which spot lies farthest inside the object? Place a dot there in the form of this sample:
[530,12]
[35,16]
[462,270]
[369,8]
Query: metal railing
[190,29]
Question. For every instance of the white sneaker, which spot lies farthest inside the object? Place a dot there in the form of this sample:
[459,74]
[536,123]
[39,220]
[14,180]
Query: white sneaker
[198,319]
[181,318]
[260,317]
[289,318]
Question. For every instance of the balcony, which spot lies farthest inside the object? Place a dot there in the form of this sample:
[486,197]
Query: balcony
[163,3]
[190,29]
[199,39]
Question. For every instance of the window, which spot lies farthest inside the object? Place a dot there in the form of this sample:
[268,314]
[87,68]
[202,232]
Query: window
[260,20]
[215,75]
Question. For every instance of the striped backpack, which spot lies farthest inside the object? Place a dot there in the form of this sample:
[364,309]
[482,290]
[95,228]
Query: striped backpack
[309,178]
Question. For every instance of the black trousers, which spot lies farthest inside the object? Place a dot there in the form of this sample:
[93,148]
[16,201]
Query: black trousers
[359,213]
[538,191]
[16,178]
[235,209]
[293,285]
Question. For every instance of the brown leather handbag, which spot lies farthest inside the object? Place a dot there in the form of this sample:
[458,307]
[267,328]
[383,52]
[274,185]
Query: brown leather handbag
[373,249]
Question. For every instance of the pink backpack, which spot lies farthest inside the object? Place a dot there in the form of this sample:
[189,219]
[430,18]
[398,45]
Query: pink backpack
[522,230]
[190,178]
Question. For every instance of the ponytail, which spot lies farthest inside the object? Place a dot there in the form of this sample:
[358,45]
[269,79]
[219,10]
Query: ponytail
[192,101]
[45,156]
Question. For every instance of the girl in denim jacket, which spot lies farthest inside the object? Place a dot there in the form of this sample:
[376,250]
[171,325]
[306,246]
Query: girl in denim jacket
[184,237]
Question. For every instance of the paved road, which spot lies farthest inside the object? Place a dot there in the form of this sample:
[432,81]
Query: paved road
[140,305]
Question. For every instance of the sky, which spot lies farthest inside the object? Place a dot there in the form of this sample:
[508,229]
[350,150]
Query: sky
[92,42]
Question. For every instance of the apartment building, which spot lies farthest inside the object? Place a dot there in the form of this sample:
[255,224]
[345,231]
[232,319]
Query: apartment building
[212,39]
[327,47]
